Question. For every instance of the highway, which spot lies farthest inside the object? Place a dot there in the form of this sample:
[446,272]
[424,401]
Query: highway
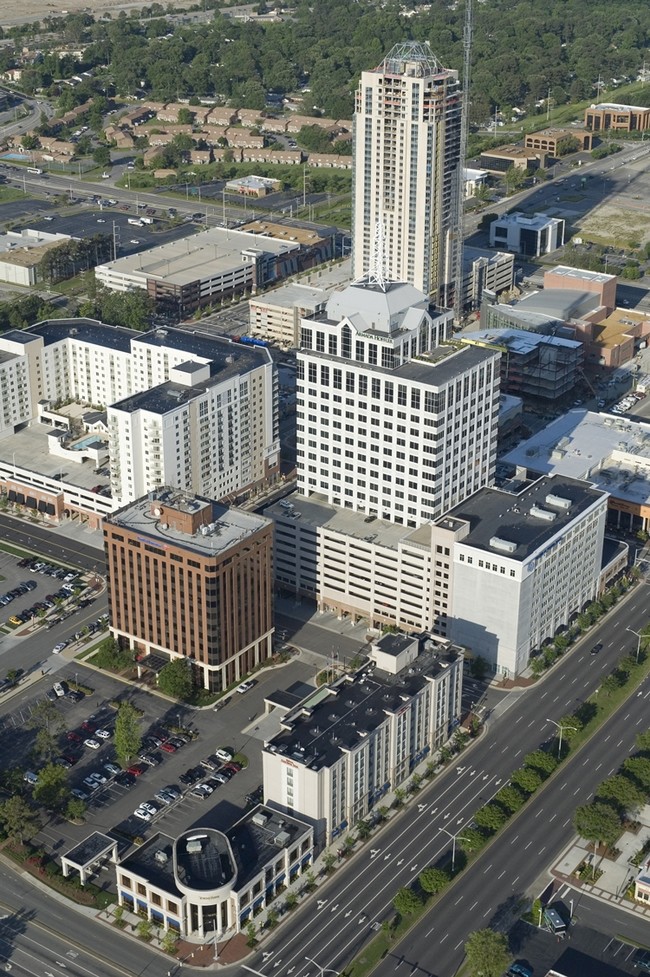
[42,937]
[335,924]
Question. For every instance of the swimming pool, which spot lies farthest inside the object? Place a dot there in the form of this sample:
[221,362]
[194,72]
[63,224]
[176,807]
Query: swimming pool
[87,443]
[20,157]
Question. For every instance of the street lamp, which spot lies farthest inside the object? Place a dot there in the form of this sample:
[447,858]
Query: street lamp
[323,970]
[639,635]
[561,728]
[453,845]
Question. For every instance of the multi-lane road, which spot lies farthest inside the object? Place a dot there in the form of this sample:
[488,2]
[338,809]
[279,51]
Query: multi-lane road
[335,925]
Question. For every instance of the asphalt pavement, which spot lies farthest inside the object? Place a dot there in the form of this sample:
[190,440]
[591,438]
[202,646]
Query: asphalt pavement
[336,923]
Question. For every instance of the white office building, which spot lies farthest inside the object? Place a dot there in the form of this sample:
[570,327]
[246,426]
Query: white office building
[406,155]
[393,421]
[344,747]
[522,566]
[528,236]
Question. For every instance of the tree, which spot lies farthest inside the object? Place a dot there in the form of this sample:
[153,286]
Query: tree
[638,768]
[609,684]
[18,819]
[47,721]
[406,901]
[251,938]
[144,929]
[515,178]
[541,761]
[176,678]
[433,880]
[329,861]
[487,953]
[186,117]
[479,666]
[567,145]
[29,141]
[471,840]
[643,741]
[51,790]
[526,779]
[510,798]
[623,792]
[490,817]
[597,822]
[75,809]
[102,156]
[169,940]
[128,738]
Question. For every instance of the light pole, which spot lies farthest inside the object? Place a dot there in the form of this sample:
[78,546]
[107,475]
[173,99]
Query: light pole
[561,728]
[453,846]
[323,970]
[639,635]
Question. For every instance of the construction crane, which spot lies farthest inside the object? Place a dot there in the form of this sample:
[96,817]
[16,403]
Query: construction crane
[460,178]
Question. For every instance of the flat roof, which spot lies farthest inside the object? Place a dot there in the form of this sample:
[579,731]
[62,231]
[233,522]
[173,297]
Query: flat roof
[316,512]
[198,256]
[203,859]
[520,341]
[253,845]
[612,452]
[90,849]
[443,364]
[335,719]
[230,526]
[28,449]
[618,107]
[90,331]
[285,232]
[494,513]
[294,294]
[581,274]
[537,221]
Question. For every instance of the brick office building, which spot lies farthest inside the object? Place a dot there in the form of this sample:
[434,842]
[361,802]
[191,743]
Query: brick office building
[191,578]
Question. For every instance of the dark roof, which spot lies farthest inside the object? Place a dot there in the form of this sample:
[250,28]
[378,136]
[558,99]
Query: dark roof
[439,367]
[492,513]
[337,718]
[254,845]
[20,336]
[86,331]
[203,859]
[90,849]
[154,862]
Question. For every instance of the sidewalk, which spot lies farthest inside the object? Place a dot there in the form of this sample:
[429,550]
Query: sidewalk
[616,874]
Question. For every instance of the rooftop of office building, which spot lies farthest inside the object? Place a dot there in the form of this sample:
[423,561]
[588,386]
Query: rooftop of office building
[612,452]
[338,717]
[380,308]
[516,526]
[212,528]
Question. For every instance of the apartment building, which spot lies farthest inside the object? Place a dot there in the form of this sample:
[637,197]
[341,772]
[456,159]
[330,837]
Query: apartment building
[192,411]
[344,747]
[190,578]
[406,153]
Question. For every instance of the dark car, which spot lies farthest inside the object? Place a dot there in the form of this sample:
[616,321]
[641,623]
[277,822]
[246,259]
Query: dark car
[74,737]
[125,779]
[64,761]
[596,648]
[88,727]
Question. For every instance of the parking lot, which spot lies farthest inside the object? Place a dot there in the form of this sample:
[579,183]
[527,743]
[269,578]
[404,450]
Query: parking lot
[103,220]
[172,764]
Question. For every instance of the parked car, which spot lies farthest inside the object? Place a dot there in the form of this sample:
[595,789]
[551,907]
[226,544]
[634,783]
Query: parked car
[136,770]
[125,779]
[245,687]
[141,813]
[103,734]
[168,747]
[112,769]
[92,744]
[224,755]
[149,759]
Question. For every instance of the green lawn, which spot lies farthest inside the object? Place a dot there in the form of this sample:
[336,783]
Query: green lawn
[7,194]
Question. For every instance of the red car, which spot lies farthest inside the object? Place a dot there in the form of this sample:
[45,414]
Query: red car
[168,747]
[74,737]
[71,758]
[135,770]
[88,727]
[232,768]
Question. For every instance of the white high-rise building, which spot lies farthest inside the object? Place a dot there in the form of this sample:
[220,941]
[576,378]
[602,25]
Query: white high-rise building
[407,129]
[393,420]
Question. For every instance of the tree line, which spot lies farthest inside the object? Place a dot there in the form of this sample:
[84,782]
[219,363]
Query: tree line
[522,51]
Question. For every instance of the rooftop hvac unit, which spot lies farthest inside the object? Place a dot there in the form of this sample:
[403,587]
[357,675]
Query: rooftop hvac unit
[161,857]
[282,839]
[194,847]
[503,545]
[559,501]
[545,514]
[260,819]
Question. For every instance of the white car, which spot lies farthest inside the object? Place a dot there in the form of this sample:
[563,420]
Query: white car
[92,744]
[224,755]
[103,734]
[98,777]
[151,808]
[59,648]
[244,687]
[141,813]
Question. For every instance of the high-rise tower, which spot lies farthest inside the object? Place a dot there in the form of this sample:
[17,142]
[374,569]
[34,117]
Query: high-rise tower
[407,131]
